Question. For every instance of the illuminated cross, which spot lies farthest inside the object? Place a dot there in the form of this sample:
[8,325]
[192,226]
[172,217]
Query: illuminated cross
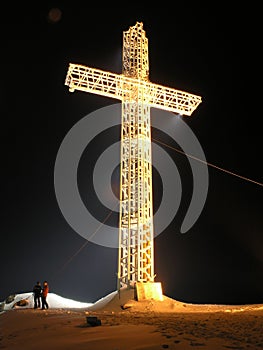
[138,95]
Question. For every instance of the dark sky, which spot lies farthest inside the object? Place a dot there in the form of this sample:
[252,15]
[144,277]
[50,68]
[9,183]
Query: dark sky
[206,49]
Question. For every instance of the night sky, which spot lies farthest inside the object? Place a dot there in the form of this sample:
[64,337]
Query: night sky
[206,49]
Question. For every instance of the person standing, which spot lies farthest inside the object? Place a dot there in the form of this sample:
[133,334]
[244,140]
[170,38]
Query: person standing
[44,294]
[37,295]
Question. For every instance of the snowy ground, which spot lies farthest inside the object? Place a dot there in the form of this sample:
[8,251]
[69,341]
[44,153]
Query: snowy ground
[127,324]
[26,300]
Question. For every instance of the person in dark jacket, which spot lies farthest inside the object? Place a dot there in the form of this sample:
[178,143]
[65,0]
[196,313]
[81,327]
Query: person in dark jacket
[44,294]
[37,295]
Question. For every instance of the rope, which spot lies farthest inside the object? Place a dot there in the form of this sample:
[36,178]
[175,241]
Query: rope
[88,240]
[181,152]
[210,164]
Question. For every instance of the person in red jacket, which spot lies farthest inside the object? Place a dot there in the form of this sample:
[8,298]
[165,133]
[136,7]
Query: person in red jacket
[45,291]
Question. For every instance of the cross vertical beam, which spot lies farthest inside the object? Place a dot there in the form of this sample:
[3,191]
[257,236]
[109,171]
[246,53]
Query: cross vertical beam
[136,254]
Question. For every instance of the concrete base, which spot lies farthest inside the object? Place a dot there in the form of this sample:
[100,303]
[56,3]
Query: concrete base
[148,291]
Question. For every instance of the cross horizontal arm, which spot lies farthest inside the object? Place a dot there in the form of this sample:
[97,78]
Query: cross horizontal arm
[118,86]
[172,100]
[93,80]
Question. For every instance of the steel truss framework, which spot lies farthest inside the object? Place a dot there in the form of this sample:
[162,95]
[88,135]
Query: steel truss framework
[138,95]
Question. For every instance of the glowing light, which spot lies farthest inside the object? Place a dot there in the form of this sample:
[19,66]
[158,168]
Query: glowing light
[54,15]
[138,95]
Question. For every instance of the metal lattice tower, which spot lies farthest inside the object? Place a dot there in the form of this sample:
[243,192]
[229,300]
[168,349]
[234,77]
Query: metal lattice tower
[136,210]
[138,95]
